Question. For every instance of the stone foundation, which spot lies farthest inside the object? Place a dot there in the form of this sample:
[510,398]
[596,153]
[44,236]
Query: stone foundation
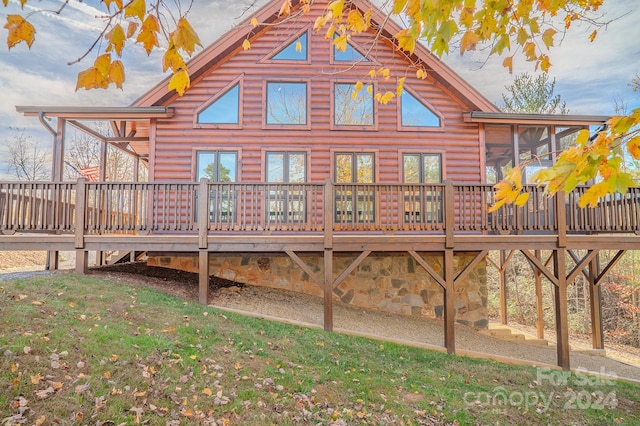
[392,283]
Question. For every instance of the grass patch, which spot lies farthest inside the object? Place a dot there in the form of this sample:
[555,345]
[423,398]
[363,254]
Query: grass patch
[87,350]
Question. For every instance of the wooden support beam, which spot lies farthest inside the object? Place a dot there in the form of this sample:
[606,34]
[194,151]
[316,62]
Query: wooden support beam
[537,276]
[467,269]
[203,277]
[502,273]
[432,273]
[350,268]
[449,303]
[82,262]
[495,265]
[304,267]
[542,268]
[581,265]
[609,266]
[595,298]
[561,309]
[328,289]
[576,260]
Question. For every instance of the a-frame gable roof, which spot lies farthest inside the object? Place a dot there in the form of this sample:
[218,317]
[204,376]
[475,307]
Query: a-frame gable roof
[232,40]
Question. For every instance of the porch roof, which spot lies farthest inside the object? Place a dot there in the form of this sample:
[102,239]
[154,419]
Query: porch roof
[97,112]
[526,118]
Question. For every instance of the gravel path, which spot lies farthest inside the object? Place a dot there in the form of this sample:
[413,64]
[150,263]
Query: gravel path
[308,309]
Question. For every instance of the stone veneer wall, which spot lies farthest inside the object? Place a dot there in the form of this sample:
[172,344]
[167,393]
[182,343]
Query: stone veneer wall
[393,283]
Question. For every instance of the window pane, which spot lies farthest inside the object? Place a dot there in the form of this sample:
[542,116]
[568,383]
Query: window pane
[286,103]
[297,167]
[365,168]
[351,54]
[228,167]
[415,113]
[350,110]
[291,53]
[344,168]
[223,110]
[432,168]
[411,168]
[206,165]
[275,167]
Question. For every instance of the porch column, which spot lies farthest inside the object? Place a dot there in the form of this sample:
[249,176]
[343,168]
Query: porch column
[449,305]
[328,213]
[595,298]
[100,257]
[561,311]
[57,165]
[203,277]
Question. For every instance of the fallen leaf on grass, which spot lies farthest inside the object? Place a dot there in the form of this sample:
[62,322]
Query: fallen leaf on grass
[45,393]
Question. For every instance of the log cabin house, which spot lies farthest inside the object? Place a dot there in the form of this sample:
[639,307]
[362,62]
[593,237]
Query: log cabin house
[272,169]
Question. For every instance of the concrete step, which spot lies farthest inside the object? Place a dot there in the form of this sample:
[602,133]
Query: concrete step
[504,332]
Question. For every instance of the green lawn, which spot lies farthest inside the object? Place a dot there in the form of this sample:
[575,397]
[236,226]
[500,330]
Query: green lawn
[86,350]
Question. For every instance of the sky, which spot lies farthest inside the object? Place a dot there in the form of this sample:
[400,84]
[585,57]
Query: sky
[589,76]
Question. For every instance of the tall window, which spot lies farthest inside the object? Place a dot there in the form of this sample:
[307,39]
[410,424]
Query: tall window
[287,203]
[224,109]
[422,203]
[354,203]
[286,103]
[219,166]
[352,107]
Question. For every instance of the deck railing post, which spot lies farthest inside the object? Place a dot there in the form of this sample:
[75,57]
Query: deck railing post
[328,213]
[81,202]
[203,213]
[449,213]
[561,218]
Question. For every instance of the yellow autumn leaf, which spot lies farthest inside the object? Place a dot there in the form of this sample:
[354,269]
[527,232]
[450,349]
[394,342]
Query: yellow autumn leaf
[131,28]
[544,62]
[254,22]
[103,64]
[246,45]
[40,420]
[529,51]
[384,98]
[633,146]
[106,375]
[285,9]
[148,35]
[421,74]
[356,22]
[19,30]
[398,6]
[172,60]
[179,82]
[593,194]
[593,35]
[508,63]
[336,7]
[184,37]
[400,86]
[547,37]
[116,39]
[406,41]
[330,32]
[136,8]
[91,78]
[298,46]
[116,73]
[469,41]
[340,42]
[207,391]
[319,23]
[521,199]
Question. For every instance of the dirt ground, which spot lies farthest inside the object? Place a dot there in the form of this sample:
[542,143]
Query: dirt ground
[620,360]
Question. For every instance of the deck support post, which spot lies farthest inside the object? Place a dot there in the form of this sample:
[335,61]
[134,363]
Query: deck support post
[203,277]
[561,310]
[504,319]
[537,275]
[329,211]
[82,261]
[449,305]
[57,164]
[595,298]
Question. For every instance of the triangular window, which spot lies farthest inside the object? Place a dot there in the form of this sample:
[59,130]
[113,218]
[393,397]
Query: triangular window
[417,114]
[294,51]
[350,54]
[224,109]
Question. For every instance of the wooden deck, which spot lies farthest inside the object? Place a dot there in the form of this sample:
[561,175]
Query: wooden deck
[327,218]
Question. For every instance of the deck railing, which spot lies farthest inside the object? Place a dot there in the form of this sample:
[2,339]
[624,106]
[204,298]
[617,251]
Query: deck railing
[120,207]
